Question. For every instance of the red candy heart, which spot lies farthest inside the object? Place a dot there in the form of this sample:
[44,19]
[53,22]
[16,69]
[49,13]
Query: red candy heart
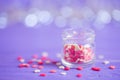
[23,65]
[40,62]
[43,74]
[112,67]
[95,69]
[53,71]
[66,68]
[79,75]
[79,68]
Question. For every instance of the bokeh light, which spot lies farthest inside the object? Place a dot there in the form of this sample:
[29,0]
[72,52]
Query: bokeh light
[61,13]
[31,20]
[103,17]
[3,22]
[45,17]
[116,15]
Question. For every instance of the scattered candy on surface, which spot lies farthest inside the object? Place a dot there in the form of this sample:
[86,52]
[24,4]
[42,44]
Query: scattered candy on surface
[40,62]
[20,59]
[79,68]
[61,67]
[58,63]
[63,73]
[112,67]
[79,75]
[95,68]
[43,74]
[38,65]
[53,71]
[23,65]
[106,62]
[66,68]
[36,71]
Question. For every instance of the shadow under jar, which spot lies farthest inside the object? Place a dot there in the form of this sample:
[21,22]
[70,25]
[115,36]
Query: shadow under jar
[78,47]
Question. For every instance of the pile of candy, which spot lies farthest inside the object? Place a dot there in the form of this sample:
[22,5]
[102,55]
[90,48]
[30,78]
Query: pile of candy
[38,65]
[75,53]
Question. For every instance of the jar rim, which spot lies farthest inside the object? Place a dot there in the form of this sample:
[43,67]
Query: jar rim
[83,32]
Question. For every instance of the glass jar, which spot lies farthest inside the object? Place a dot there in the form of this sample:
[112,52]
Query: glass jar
[79,47]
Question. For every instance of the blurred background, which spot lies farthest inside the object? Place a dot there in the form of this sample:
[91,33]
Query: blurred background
[34,26]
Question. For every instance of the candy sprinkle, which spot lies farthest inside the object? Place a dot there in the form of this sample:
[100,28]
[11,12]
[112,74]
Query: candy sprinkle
[112,67]
[63,73]
[53,71]
[23,65]
[66,68]
[79,68]
[79,75]
[61,67]
[43,74]
[95,69]
[58,63]
[36,71]
[106,62]
[22,60]
[40,62]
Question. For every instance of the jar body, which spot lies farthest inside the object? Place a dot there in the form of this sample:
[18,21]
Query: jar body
[78,47]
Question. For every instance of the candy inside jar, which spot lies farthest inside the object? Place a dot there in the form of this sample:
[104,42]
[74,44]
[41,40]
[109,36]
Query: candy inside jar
[78,48]
[76,53]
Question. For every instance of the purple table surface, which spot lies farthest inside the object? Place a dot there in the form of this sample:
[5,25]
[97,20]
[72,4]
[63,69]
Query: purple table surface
[17,40]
